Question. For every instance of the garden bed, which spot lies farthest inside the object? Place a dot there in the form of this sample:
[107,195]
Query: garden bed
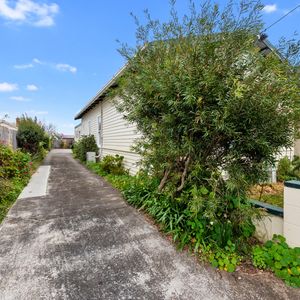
[269,193]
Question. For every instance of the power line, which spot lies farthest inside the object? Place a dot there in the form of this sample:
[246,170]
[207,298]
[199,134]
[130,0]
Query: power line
[281,18]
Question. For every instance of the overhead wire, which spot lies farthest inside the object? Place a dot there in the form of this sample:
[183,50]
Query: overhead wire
[274,23]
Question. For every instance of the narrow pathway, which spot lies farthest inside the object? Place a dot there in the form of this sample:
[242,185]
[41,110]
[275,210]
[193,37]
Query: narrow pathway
[82,241]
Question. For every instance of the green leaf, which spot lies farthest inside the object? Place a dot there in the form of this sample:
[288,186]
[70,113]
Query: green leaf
[230,268]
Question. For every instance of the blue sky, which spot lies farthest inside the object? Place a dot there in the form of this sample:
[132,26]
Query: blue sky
[55,55]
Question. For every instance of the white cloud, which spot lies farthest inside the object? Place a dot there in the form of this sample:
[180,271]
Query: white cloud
[32,87]
[8,87]
[37,61]
[270,8]
[66,68]
[26,66]
[20,98]
[29,11]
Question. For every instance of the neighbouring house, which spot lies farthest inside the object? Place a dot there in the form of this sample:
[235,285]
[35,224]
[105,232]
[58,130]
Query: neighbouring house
[67,140]
[114,135]
[8,134]
[63,141]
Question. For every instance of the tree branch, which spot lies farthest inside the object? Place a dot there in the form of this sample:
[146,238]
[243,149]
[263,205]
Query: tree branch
[164,179]
[186,165]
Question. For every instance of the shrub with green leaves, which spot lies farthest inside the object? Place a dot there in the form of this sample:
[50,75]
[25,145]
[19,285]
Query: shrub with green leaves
[225,258]
[207,102]
[14,163]
[84,145]
[113,164]
[287,169]
[283,260]
[15,171]
[31,135]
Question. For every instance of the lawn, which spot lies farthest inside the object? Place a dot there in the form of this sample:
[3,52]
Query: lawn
[269,193]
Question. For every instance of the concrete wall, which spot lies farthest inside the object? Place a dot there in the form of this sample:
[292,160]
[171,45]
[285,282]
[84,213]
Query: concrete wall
[268,226]
[297,147]
[115,135]
[284,221]
[291,206]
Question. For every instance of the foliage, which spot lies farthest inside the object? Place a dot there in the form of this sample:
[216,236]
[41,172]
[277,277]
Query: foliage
[196,230]
[84,145]
[113,164]
[10,190]
[225,259]
[208,103]
[31,135]
[14,164]
[15,170]
[288,170]
[280,258]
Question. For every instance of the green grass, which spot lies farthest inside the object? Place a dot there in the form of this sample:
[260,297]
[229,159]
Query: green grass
[276,200]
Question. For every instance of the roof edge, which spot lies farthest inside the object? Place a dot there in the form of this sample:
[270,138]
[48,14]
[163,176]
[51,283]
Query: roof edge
[100,93]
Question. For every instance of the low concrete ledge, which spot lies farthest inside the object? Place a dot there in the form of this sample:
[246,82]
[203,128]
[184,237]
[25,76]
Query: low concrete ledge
[37,186]
[271,209]
[271,223]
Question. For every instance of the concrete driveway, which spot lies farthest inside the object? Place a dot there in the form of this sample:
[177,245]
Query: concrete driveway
[82,241]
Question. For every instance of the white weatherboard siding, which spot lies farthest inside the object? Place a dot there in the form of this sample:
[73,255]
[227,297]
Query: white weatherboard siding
[118,136]
[89,123]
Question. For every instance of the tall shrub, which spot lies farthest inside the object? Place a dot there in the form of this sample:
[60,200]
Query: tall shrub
[206,100]
[84,145]
[31,135]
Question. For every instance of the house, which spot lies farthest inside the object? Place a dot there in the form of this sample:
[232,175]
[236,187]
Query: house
[115,136]
[8,134]
[63,141]
[77,132]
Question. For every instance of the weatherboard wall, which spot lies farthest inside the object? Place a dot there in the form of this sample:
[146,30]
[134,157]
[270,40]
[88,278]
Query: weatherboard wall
[117,135]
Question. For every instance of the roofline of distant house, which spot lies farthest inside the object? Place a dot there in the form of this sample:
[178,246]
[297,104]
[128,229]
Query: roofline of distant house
[95,100]
[13,126]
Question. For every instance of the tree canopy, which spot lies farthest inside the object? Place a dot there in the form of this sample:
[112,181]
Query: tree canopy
[205,98]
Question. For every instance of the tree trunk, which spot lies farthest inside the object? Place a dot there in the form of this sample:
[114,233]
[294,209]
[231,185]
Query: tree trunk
[186,165]
[164,179]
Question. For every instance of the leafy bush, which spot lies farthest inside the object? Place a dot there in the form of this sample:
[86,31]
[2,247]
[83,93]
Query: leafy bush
[225,259]
[280,258]
[113,164]
[15,171]
[31,135]
[10,190]
[284,169]
[288,170]
[84,145]
[14,163]
[193,229]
